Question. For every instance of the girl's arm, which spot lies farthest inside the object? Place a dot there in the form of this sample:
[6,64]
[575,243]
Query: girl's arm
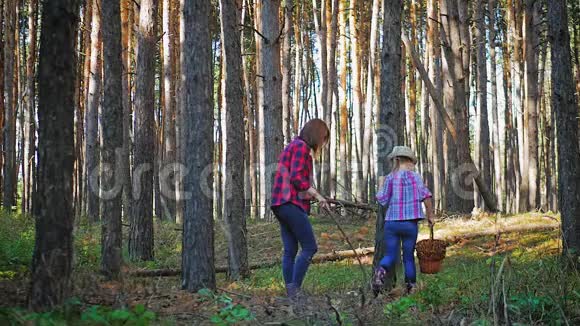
[321,199]
[430,211]
[385,192]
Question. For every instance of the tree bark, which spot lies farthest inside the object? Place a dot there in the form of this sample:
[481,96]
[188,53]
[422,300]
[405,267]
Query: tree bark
[412,108]
[287,73]
[435,73]
[167,168]
[127,36]
[566,108]
[332,102]
[30,128]
[344,168]
[497,170]
[359,179]
[270,94]
[531,48]
[92,155]
[141,233]
[53,250]
[196,87]
[483,142]
[111,174]
[10,102]
[459,190]
[389,117]
[234,207]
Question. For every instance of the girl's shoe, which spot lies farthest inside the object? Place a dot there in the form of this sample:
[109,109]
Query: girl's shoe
[292,290]
[411,288]
[378,280]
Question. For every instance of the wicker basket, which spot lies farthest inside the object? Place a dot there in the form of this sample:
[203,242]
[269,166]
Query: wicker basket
[431,253]
[429,266]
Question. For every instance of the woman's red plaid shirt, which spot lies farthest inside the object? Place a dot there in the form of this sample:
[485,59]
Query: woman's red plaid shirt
[293,176]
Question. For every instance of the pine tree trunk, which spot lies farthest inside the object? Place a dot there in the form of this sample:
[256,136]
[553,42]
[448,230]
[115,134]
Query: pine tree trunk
[482,143]
[435,73]
[196,87]
[359,180]
[412,108]
[287,73]
[298,69]
[53,250]
[343,102]
[498,175]
[126,37]
[92,155]
[270,94]
[566,109]
[389,116]
[30,129]
[112,174]
[10,102]
[141,233]
[332,100]
[233,183]
[459,189]
[532,40]
[167,169]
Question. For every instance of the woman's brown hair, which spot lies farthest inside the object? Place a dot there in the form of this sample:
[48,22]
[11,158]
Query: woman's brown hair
[315,133]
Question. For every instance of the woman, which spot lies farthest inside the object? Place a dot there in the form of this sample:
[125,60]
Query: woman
[292,192]
[404,193]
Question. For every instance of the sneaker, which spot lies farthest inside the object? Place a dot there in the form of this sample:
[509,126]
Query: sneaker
[411,288]
[378,280]
[292,290]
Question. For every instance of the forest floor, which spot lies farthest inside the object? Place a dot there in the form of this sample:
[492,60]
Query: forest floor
[531,284]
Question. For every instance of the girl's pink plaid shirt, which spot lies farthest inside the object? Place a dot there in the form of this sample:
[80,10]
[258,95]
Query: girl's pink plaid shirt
[293,175]
[403,193]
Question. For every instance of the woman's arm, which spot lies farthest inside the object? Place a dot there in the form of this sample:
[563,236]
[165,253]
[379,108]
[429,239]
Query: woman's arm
[321,199]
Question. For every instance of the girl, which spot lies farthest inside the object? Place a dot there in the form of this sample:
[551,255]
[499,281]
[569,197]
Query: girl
[291,194]
[403,192]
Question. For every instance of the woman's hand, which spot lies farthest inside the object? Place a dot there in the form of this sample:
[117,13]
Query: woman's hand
[323,202]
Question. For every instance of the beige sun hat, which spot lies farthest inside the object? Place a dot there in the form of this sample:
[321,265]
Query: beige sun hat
[404,151]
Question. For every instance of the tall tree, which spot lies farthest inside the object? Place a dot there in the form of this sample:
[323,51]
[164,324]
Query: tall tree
[198,269]
[92,155]
[10,102]
[566,109]
[126,37]
[459,191]
[30,128]
[286,72]
[482,136]
[434,49]
[112,116]
[498,175]
[532,40]
[53,250]
[269,96]
[343,104]
[390,111]
[358,114]
[233,182]
[141,233]
[330,114]
[412,108]
[167,194]
[365,141]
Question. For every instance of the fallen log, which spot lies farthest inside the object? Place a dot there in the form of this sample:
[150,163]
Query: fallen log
[347,254]
[329,257]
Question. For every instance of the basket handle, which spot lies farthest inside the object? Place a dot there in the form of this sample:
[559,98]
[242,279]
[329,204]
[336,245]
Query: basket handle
[431,230]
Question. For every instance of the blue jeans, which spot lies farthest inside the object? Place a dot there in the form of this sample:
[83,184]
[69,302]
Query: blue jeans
[295,228]
[395,233]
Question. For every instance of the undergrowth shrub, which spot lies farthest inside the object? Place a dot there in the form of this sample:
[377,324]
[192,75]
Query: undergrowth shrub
[16,243]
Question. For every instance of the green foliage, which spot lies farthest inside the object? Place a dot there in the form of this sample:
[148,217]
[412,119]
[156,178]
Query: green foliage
[229,313]
[401,309]
[16,244]
[72,313]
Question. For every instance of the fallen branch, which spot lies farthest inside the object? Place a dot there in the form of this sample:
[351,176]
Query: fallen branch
[350,204]
[360,252]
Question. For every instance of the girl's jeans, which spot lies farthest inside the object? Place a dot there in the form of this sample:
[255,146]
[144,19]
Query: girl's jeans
[295,228]
[395,233]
